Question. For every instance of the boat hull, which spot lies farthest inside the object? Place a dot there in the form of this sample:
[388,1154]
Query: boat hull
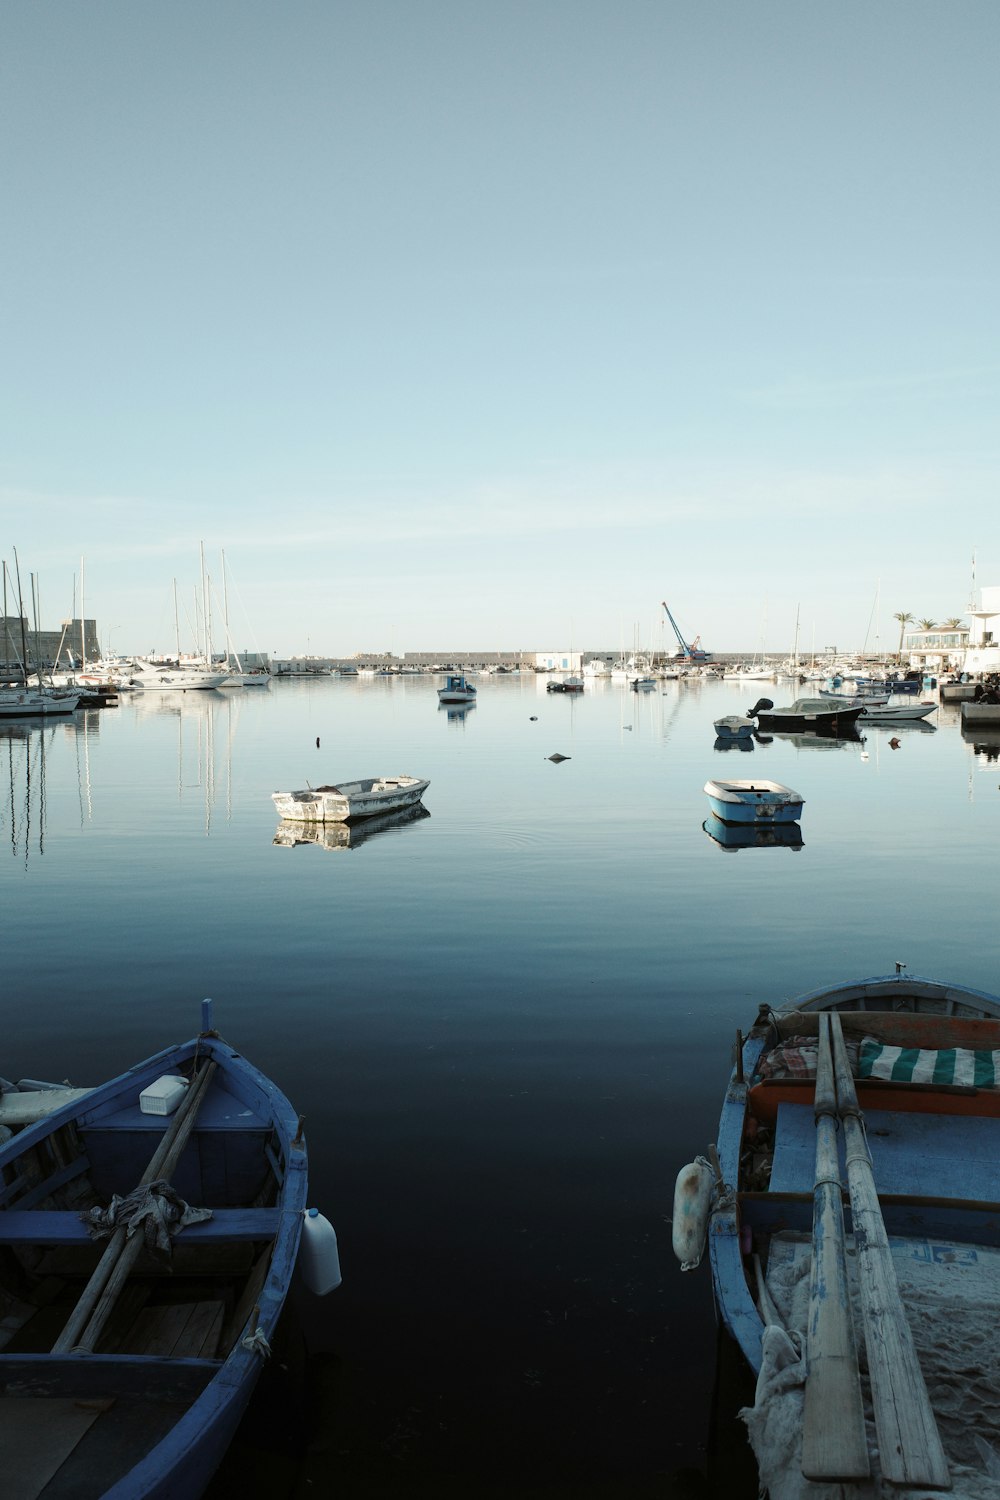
[834,721]
[163,1422]
[359,799]
[753,802]
[914,1011]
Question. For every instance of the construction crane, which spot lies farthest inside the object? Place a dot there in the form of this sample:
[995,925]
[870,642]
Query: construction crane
[686,653]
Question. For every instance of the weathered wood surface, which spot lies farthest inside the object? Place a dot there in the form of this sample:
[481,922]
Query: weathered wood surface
[834,1444]
[910,1450]
[95,1304]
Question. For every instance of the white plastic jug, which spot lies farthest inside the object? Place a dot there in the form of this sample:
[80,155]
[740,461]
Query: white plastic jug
[319,1258]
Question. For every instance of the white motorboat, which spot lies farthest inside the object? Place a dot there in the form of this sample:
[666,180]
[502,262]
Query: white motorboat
[895,713]
[169,677]
[350,799]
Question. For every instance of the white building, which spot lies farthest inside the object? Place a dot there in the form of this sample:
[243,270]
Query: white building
[970,648]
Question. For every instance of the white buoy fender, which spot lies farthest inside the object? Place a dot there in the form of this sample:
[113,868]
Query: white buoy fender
[319,1258]
[693,1194]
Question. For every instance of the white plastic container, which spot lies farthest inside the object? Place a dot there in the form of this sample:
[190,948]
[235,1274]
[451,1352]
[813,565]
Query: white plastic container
[319,1258]
[163,1096]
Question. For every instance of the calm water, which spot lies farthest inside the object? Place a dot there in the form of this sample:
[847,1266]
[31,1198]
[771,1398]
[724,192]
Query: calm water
[507,1023]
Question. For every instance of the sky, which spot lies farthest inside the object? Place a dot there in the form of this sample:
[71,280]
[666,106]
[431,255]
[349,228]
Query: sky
[464,324]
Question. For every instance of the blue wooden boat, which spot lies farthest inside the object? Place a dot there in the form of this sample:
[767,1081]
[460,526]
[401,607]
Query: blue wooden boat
[125,1366]
[890,1086]
[754,802]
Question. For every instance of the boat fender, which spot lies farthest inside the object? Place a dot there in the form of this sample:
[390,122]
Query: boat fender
[319,1257]
[694,1192]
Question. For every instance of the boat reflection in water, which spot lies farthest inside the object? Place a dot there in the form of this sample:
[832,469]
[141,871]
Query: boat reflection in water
[347,835]
[457,712]
[735,836]
[731,743]
[815,740]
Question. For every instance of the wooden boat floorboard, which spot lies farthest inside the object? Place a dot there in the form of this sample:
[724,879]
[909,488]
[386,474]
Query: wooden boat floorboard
[37,1435]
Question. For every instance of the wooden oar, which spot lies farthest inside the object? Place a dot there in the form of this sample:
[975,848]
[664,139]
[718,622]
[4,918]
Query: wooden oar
[834,1446]
[910,1450]
[163,1163]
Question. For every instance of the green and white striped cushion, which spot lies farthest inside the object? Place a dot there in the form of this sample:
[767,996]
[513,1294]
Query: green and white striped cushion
[954,1065]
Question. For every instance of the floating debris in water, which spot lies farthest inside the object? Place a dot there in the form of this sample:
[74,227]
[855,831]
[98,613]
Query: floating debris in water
[557,757]
[534,718]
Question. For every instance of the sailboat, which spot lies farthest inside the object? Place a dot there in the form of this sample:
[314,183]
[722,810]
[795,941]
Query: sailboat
[235,675]
[27,700]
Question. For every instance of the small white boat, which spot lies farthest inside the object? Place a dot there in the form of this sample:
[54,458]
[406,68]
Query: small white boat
[755,801]
[457,689]
[895,713]
[351,799]
[734,727]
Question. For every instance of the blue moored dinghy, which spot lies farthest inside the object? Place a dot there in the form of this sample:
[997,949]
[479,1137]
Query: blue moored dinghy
[757,801]
[888,1087]
[148,1235]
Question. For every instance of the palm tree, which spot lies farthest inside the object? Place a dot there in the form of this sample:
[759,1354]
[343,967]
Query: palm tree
[954,623]
[904,617]
[926,624]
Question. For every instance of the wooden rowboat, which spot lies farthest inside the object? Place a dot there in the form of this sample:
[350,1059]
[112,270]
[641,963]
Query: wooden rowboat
[125,1366]
[889,1087]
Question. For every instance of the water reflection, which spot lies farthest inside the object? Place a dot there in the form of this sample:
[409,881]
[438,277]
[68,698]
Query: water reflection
[734,836]
[733,744]
[457,712]
[985,742]
[815,740]
[347,835]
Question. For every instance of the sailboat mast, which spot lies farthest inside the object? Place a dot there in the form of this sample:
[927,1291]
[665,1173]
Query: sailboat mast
[83,625]
[177,627]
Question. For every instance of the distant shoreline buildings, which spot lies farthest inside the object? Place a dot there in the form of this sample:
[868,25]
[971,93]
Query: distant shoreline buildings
[974,648]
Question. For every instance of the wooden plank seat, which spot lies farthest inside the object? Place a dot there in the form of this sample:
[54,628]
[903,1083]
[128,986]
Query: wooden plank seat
[934,1156]
[61,1227]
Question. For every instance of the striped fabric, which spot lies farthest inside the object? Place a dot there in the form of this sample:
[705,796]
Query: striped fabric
[954,1065]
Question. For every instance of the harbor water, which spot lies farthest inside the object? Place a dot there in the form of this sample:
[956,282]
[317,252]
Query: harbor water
[508,1021]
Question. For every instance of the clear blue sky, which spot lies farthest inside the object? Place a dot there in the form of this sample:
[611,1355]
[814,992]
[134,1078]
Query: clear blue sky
[462,323]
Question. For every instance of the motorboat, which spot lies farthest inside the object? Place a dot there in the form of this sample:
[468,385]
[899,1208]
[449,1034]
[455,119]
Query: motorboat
[890,1085]
[895,713]
[367,798]
[821,715]
[757,801]
[170,677]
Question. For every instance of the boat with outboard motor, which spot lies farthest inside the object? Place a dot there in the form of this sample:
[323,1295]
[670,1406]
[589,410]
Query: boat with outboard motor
[905,1071]
[819,715]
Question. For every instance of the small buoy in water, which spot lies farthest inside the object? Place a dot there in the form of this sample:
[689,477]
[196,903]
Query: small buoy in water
[894,744]
[864,755]
[317,742]
[534,718]
[319,1258]
[693,1194]
[557,757]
